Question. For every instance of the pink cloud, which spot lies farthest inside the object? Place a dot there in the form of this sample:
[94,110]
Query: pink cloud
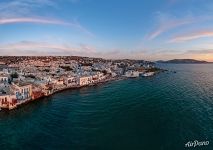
[32,20]
[32,48]
[168,25]
[191,36]
[74,24]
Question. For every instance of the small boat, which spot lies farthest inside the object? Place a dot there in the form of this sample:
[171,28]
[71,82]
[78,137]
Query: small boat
[148,74]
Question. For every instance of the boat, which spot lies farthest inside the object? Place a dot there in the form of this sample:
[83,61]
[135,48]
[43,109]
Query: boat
[148,74]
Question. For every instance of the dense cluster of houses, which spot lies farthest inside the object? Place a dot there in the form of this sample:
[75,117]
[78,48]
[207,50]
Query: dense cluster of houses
[13,94]
[21,90]
[31,79]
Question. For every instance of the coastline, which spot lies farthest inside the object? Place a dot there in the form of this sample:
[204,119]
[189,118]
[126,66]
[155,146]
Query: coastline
[58,90]
[51,90]
[89,85]
[64,89]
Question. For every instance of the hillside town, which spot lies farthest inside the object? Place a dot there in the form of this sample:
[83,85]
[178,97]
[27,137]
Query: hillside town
[25,78]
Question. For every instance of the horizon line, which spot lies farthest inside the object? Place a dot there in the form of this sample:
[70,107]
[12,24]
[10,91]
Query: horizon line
[103,58]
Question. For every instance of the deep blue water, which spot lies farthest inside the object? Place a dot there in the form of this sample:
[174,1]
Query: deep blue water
[158,113]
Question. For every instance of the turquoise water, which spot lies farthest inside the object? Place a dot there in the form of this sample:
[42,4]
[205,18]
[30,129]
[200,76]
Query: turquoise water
[158,113]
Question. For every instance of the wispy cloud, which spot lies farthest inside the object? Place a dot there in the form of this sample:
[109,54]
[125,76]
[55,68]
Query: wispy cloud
[191,36]
[40,20]
[166,23]
[42,48]
[88,48]
[26,11]
[32,48]
[199,54]
[204,51]
[34,20]
[202,54]
[168,26]
[19,8]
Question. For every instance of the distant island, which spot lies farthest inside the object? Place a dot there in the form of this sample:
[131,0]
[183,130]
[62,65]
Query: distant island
[184,61]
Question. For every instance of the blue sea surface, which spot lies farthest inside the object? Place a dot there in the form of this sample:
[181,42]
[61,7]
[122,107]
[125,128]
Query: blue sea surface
[162,112]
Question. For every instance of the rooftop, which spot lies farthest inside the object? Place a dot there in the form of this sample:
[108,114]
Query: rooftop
[21,83]
[5,91]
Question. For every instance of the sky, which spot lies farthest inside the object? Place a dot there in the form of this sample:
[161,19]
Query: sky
[112,29]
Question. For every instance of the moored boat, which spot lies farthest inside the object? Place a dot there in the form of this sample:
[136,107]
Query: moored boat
[148,74]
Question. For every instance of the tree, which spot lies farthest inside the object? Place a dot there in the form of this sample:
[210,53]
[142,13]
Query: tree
[14,75]
[66,68]
[104,72]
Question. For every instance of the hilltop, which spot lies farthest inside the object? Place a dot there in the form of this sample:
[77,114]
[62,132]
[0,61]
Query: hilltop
[184,61]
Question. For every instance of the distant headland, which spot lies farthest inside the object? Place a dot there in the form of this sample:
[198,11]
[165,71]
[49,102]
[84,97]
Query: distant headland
[184,61]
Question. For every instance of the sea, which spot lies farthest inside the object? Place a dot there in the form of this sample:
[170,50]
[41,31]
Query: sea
[162,112]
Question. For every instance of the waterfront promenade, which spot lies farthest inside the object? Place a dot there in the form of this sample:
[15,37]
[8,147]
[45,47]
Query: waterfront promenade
[62,88]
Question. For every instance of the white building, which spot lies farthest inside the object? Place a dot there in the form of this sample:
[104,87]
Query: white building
[7,99]
[59,81]
[132,74]
[47,79]
[4,78]
[85,80]
[70,81]
[23,91]
[113,74]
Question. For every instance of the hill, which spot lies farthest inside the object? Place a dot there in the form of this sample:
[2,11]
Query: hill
[183,61]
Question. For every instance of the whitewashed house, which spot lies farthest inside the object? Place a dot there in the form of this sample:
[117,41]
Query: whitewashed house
[85,80]
[23,91]
[7,98]
[70,81]
[4,78]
